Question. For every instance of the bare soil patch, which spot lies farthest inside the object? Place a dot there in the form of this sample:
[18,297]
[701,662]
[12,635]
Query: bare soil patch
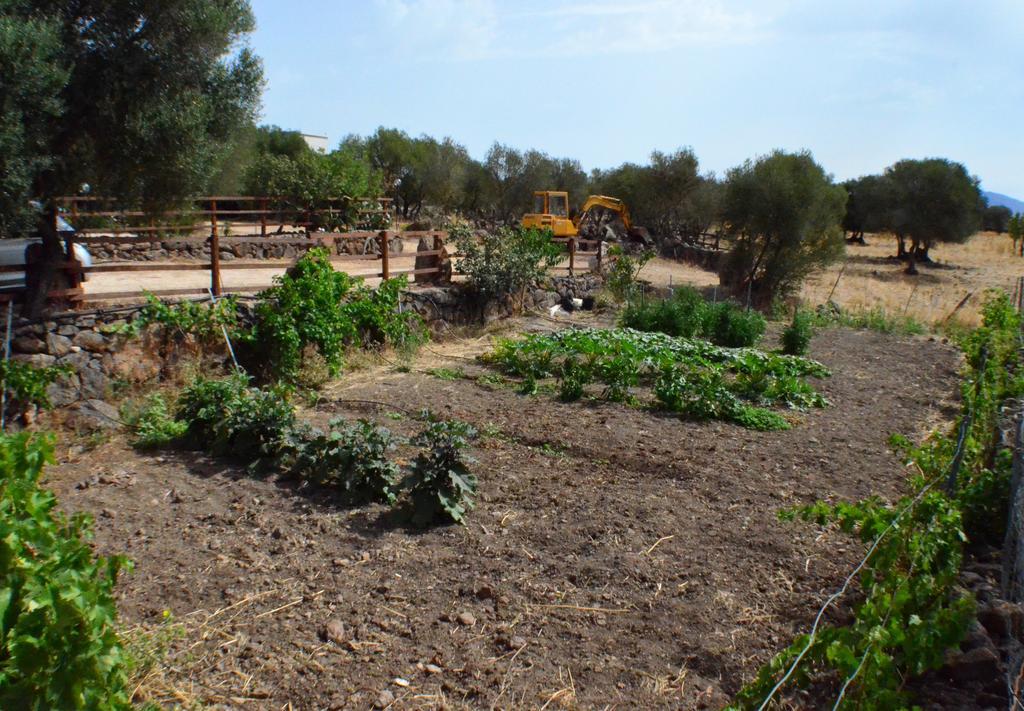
[616,556]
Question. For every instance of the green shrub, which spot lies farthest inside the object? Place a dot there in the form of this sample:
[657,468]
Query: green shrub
[440,482]
[314,305]
[26,384]
[227,417]
[797,335]
[351,458]
[733,327]
[203,320]
[687,315]
[623,278]
[59,648]
[506,261]
[152,424]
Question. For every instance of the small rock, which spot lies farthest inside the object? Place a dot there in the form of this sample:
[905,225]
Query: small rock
[432,669]
[980,664]
[516,642]
[466,618]
[107,513]
[334,631]
[384,699]
[485,592]
[58,345]
[399,681]
[91,341]
[1002,619]
[28,344]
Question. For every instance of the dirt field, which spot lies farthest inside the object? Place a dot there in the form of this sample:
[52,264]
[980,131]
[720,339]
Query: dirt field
[616,558]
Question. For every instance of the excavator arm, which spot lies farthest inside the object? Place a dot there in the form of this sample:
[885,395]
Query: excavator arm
[610,203]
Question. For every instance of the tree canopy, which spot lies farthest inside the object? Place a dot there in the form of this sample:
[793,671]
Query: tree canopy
[784,213]
[931,200]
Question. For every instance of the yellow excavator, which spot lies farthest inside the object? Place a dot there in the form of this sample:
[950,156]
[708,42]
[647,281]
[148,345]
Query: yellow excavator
[551,212]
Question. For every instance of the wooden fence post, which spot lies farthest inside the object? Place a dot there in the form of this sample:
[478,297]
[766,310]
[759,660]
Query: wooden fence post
[385,268]
[572,256]
[214,250]
[600,251]
[263,217]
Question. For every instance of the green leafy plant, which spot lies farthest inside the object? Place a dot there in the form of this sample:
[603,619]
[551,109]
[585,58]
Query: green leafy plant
[314,305]
[351,458]
[439,481]
[59,648]
[228,417]
[203,320]
[686,314]
[152,423]
[449,374]
[796,337]
[691,377]
[622,279]
[505,261]
[27,384]
[912,610]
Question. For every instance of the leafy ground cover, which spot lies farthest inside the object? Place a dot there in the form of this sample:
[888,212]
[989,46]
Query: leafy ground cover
[688,376]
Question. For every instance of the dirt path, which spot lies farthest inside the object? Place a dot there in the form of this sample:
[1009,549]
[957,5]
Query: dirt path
[615,558]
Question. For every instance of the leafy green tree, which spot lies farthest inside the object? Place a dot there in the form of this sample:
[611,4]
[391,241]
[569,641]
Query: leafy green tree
[866,207]
[784,214]
[137,98]
[668,195]
[932,200]
[311,179]
[996,218]
[1015,228]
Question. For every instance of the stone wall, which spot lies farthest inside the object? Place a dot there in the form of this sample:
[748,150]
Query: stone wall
[277,246]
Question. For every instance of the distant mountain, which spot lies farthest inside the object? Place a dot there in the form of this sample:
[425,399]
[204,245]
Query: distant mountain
[1014,204]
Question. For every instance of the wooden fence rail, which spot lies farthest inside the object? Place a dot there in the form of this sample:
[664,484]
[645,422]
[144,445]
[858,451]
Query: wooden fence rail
[375,244]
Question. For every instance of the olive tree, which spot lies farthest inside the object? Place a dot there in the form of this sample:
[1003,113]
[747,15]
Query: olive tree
[783,212]
[931,200]
[137,98]
[866,206]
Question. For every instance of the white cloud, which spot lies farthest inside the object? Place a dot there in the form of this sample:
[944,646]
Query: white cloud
[475,29]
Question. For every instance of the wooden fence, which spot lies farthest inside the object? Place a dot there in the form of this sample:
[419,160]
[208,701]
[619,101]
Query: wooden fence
[261,216]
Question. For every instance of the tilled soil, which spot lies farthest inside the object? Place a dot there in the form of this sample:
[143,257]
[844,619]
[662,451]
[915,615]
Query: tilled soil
[615,558]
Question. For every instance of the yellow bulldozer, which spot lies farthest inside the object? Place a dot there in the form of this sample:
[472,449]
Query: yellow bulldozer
[551,212]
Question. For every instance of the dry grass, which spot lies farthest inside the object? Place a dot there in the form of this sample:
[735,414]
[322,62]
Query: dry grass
[871,279]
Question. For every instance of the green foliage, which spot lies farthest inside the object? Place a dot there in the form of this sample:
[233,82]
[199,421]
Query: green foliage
[314,305]
[27,384]
[932,200]
[783,212]
[159,125]
[228,418]
[688,315]
[691,377]
[505,261]
[351,458]
[59,648]
[450,374]
[311,180]
[876,319]
[622,279]
[440,482]
[996,218]
[203,320]
[153,424]
[912,610]
[668,195]
[796,337]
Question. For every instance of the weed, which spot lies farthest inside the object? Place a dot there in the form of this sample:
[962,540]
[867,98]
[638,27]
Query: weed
[440,482]
[152,423]
[447,373]
[797,335]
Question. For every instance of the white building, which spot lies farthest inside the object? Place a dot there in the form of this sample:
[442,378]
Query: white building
[317,143]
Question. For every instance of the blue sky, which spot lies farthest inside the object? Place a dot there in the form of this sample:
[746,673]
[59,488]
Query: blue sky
[861,83]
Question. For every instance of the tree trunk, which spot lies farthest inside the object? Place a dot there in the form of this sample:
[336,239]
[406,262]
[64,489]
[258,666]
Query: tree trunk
[921,252]
[43,268]
[911,257]
[901,247]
